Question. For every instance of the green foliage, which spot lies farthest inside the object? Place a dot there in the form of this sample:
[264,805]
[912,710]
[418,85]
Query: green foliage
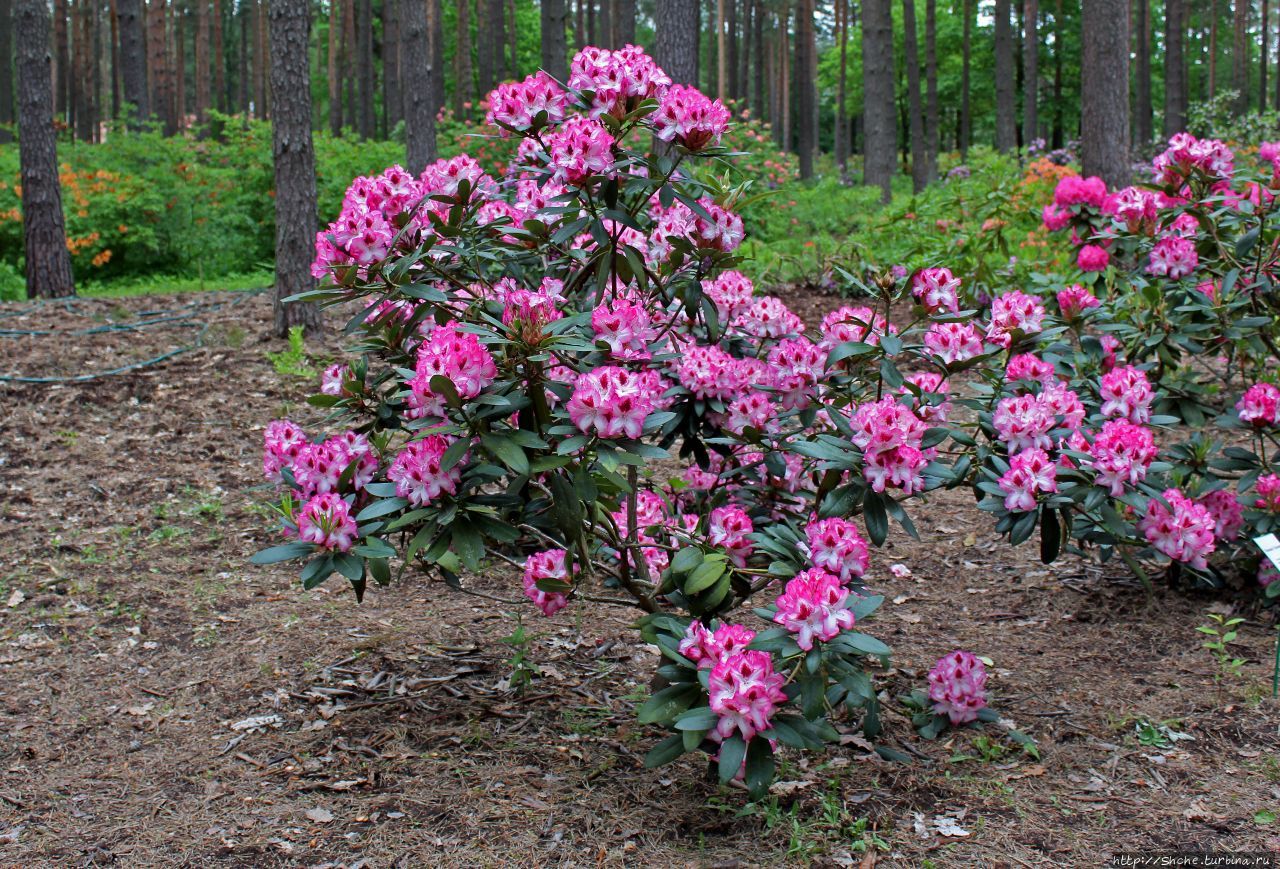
[1218,118]
[293,362]
[1222,632]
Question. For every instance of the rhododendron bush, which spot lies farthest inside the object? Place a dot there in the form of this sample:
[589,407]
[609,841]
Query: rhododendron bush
[530,352]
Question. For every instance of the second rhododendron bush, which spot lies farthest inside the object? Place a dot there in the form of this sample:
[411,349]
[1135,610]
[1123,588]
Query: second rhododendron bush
[566,370]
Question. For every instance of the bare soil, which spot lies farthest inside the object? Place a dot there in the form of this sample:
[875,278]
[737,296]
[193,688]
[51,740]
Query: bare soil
[164,702]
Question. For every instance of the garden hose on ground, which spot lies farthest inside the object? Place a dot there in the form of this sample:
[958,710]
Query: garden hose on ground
[156,318]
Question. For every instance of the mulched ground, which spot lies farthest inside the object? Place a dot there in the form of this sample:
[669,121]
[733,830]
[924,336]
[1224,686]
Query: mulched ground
[165,702]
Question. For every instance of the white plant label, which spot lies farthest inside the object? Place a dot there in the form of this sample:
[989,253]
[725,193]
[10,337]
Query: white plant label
[1270,546]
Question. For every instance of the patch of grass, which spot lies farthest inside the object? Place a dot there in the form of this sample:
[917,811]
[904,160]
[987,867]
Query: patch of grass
[293,362]
[164,284]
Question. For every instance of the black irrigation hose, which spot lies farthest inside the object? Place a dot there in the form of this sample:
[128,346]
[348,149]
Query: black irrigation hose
[84,378]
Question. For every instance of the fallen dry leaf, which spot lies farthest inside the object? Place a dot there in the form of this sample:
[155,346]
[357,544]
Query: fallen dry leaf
[320,815]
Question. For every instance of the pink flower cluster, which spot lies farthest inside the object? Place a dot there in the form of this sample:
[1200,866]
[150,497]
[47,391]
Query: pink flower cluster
[626,327]
[1031,472]
[1267,490]
[835,546]
[457,355]
[611,402]
[1260,406]
[1227,513]
[958,687]
[689,118]
[1014,311]
[1120,455]
[936,289]
[417,471]
[319,467]
[617,80]
[518,104]
[1186,154]
[578,149]
[1126,394]
[708,648]
[326,521]
[890,437]
[953,343]
[547,564]
[745,692]
[1093,258]
[849,323]
[1173,257]
[281,443]
[1184,533]
[1075,300]
[1137,208]
[730,528]
[814,605]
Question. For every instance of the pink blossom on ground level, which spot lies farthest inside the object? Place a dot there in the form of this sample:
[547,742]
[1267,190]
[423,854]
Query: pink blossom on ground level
[814,605]
[547,564]
[326,521]
[958,686]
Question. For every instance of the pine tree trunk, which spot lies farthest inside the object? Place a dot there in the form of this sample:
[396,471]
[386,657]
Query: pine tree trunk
[879,123]
[1213,42]
[6,70]
[919,169]
[1006,108]
[484,50]
[335,73]
[676,50]
[290,26]
[784,59]
[419,72]
[625,22]
[591,23]
[1240,55]
[1104,91]
[757,41]
[1175,99]
[62,57]
[242,78]
[391,96]
[1262,72]
[202,67]
[806,87]
[262,61]
[722,64]
[513,38]
[435,54]
[350,49]
[462,81]
[44,233]
[82,52]
[133,59]
[604,24]
[161,101]
[364,66]
[218,58]
[114,58]
[1058,51]
[580,24]
[931,133]
[180,64]
[1142,87]
[1030,71]
[498,37]
[840,144]
[554,17]
[966,62]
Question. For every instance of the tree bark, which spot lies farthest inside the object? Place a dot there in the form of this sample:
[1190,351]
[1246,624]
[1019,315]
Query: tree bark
[879,124]
[1058,51]
[290,27]
[784,65]
[462,80]
[722,65]
[841,138]
[1240,55]
[624,22]
[201,71]
[82,54]
[335,73]
[419,72]
[392,100]
[1142,130]
[113,58]
[179,65]
[931,121]
[1030,71]
[757,41]
[554,16]
[350,50]
[161,93]
[966,62]
[219,59]
[1262,71]
[919,171]
[62,58]
[435,54]
[1175,95]
[485,47]
[1006,108]
[676,48]
[6,70]
[1213,43]
[44,233]
[364,66]
[498,36]
[133,59]
[242,80]
[1104,91]
[806,88]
